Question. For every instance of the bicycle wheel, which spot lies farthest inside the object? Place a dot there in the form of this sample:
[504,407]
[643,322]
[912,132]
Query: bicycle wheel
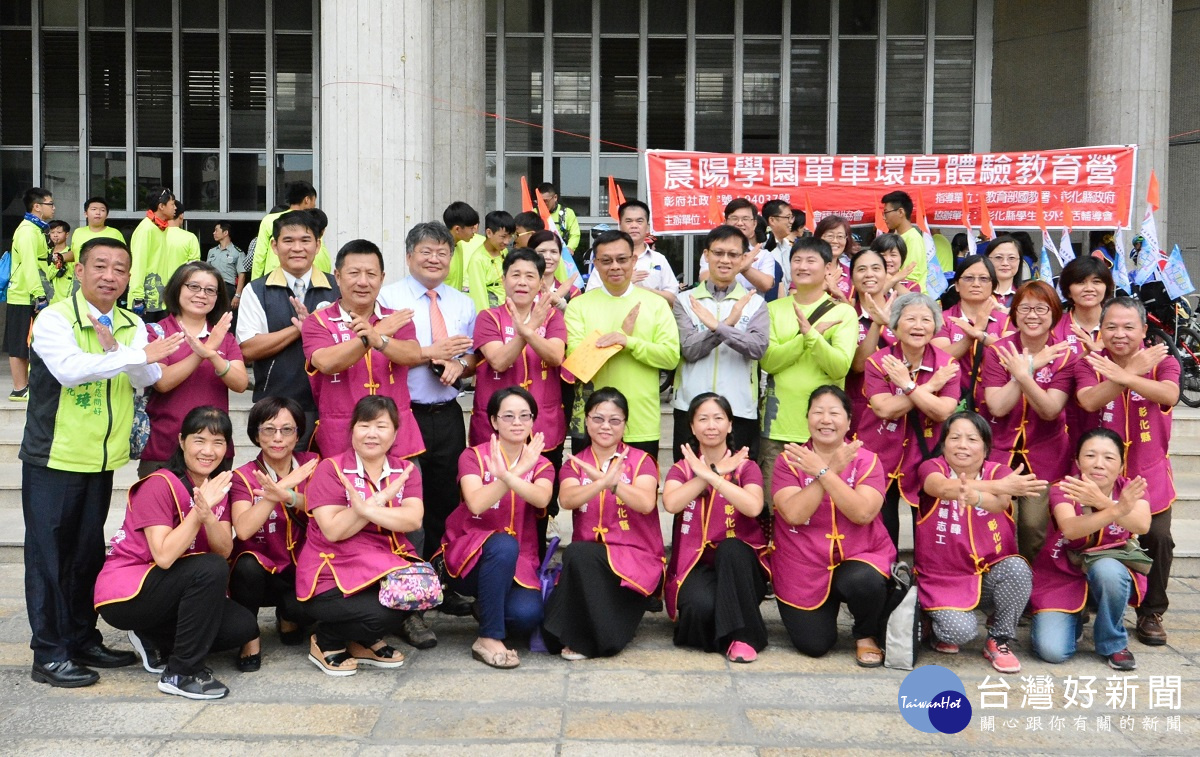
[1156,335]
[1189,362]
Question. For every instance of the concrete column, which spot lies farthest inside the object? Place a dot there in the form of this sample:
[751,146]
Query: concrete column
[1129,84]
[459,81]
[377,162]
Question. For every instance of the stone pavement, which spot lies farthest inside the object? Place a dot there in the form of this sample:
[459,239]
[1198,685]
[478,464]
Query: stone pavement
[653,699]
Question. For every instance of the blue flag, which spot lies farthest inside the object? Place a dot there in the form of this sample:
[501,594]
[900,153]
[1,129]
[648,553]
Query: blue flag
[1175,275]
[1120,270]
[1045,272]
[935,278]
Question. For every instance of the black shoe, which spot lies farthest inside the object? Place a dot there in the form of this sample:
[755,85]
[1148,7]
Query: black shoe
[19,395]
[100,656]
[292,638]
[417,632]
[154,660]
[199,686]
[250,663]
[455,604]
[66,674]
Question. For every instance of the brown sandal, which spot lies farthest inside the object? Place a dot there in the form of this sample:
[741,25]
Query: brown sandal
[504,660]
[867,653]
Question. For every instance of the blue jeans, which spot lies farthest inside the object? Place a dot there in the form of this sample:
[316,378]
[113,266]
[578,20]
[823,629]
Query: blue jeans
[503,605]
[1055,634]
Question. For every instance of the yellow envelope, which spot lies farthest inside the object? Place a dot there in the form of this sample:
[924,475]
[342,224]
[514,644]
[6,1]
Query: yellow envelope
[587,359]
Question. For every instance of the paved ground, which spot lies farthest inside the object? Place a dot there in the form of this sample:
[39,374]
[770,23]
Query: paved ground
[653,699]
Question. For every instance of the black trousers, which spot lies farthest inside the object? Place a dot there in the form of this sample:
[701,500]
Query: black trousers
[184,609]
[745,434]
[590,611]
[445,436]
[1161,546]
[718,603]
[861,587]
[64,552]
[892,505]
[358,617]
[555,456]
[252,586]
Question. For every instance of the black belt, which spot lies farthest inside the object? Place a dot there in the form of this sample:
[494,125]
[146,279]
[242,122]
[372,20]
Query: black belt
[436,407]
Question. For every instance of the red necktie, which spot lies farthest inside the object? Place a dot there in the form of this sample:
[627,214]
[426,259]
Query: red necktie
[436,322]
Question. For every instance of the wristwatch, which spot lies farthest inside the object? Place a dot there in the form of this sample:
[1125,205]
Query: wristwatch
[383,342]
[909,388]
[462,361]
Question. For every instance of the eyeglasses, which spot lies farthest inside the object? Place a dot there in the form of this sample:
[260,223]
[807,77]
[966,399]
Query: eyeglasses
[434,254]
[975,279]
[271,431]
[510,419]
[892,210]
[789,217]
[46,202]
[725,254]
[195,288]
[834,237]
[600,420]
[739,219]
[1038,309]
[623,260]
[524,234]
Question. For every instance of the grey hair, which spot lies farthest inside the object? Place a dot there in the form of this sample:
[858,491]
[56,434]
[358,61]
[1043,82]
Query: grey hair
[432,231]
[915,298]
[1125,302]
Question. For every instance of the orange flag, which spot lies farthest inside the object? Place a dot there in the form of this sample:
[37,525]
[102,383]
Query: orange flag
[1041,215]
[1068,222]
[966,214]
[985,218]
[1152,196]
[543,211]
[919,219]
[620,195]
[613,202]
[526,203]
[810,221]
[716,214]
[880,223]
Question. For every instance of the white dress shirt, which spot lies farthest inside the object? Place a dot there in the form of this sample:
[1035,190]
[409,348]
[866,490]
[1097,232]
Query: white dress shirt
[54,342]
[458,311]
[252,318]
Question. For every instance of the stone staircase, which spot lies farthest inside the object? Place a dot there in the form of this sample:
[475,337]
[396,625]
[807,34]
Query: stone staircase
[1185,456]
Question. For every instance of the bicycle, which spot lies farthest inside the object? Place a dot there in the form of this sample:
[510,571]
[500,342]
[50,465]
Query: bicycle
[1174,323]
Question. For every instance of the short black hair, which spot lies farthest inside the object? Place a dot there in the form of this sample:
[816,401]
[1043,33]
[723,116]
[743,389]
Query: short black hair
[269,407]
[298,192]
[527,255]
[632,204]
[179,209]
[1101,433]
[958,243]
[56,224]
[901,199]
[723,232]
[33,196]
[301,218]
[538,237]
[175,284]
[982,427]
[499,220]
[459,213]
[493,406]
[372,406]
[158,196]
[358,247]
[891,241]
[546,186]
[1081,269]
[772,207]
[812,244]
[609,237]
[92,200]
[529,221]
[320,221]
[740,203]
[203,418]
[607,394]
[81,255]
[837,392]
[225,226]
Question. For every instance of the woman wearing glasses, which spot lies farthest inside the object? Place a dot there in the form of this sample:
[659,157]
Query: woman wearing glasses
[203,370]
[1005,254]
[836,231]
[1022,392]
[615,560]
[267,496]
[975,321]
[491,546]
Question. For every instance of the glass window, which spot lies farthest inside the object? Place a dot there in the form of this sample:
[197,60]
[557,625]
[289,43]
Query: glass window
[524,16]
[809,122]
[201,90]
[293,16]
[15,14]
[620,16]
[153,13]
[666,90]
[60,175]
[201,188]
[247,14]
[248,181]
[16,175]
[489,16]
[247,91]
[905,112]
[954,17]
[760,97]
[762,17]
[60,88]
[489,181]
[667,18]
[199,14]
[16,87]
[153,170]
[60,13]
[618,89]
[573,177]
[107,172]
[523,88]
[293,91]
[152,88]
[858,17]
[573,16]
[953,88]
[714,94]
[906,17]
[810,16]
[714,17]
[106,13]
[624,170]
[856,97]
[572,92]
[489,96]
[290,169]
[106,89]
[516,166]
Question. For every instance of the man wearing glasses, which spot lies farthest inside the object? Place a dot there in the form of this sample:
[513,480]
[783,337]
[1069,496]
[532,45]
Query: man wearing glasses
[640,323]
[723,331]
[756,269]
[651,268]
[149,247]
[897,214]
[29,248]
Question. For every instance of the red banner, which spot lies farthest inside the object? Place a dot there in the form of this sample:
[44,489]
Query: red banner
[1093,184]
